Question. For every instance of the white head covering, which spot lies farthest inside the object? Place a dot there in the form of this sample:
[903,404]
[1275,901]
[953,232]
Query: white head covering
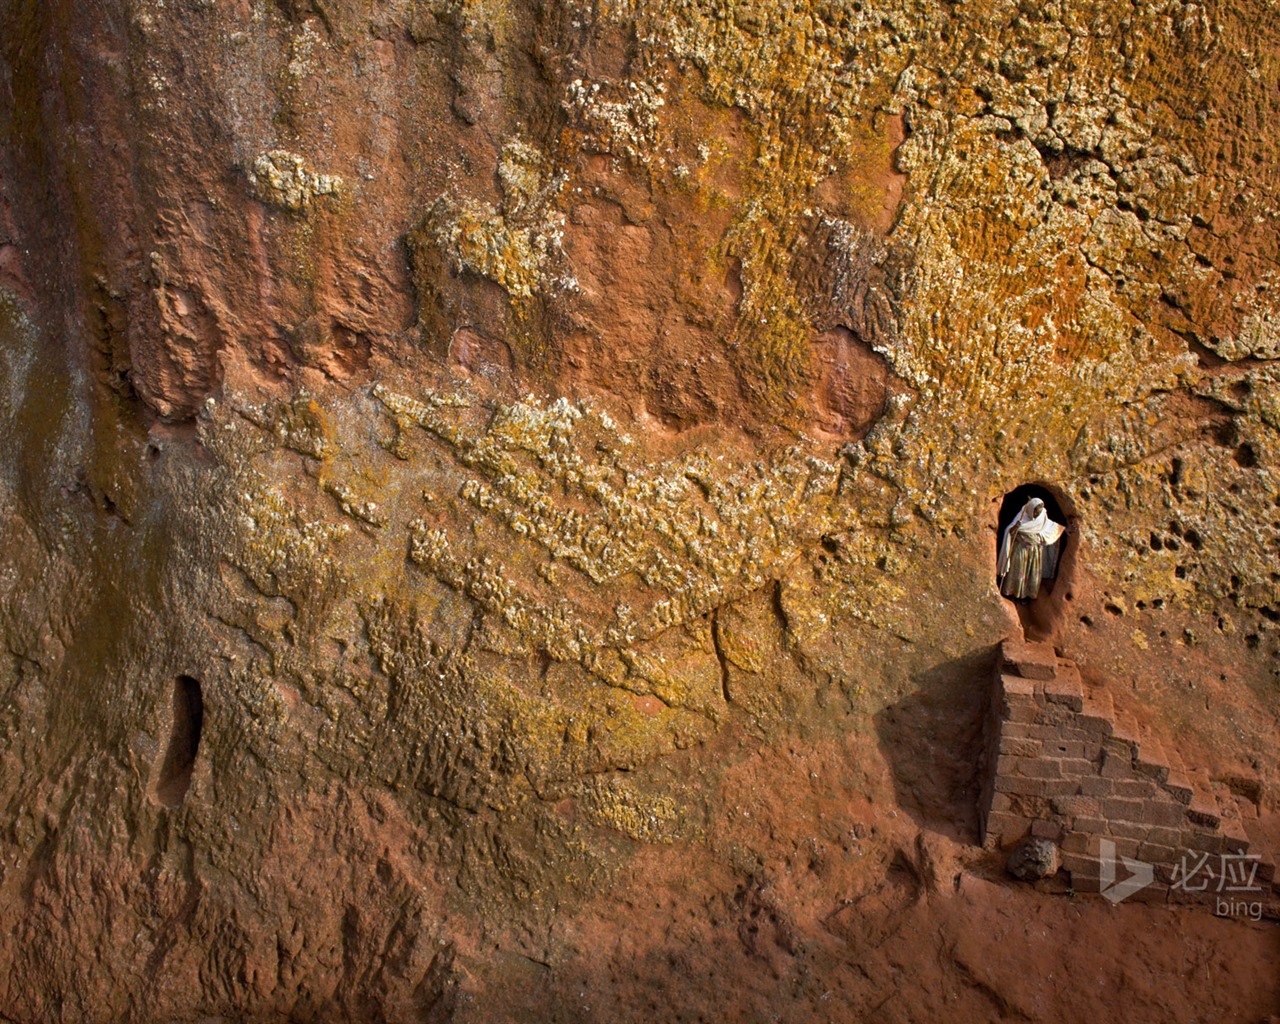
[1032,522]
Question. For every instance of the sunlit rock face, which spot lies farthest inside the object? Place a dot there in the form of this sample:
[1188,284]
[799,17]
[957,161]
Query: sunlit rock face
[498,500]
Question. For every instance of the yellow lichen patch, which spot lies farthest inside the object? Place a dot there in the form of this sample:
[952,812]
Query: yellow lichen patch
[515,244]
[608,666]
[685,529]
[634,813]
[299,424]
[283,179]
[285,553]
[786,71]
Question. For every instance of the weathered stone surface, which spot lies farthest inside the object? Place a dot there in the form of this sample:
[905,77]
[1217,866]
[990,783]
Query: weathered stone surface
[562,442]
[1033,858]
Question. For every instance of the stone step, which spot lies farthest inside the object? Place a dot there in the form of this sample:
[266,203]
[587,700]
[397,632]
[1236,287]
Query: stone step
[1203,810]
[1204,796]
[1149,755]
[1029,660]
[1125,729]
[1098,700]
[1065,668]
[1237,839]
[1144,776]
[1163,763]
[1065,688]
[1179,786]
[1175,760]
[1152,760]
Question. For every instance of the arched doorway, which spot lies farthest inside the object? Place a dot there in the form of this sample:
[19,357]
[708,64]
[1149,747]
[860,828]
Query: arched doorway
[1042,617]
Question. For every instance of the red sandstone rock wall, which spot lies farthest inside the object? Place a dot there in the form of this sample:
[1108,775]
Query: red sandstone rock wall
[562,444]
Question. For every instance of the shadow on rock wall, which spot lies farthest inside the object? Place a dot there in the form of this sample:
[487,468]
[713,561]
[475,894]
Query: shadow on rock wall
[931,740]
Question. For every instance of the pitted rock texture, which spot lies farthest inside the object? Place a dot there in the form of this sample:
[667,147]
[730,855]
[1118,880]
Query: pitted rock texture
[562,443]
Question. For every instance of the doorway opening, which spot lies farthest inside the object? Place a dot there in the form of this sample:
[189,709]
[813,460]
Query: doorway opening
[1043,615]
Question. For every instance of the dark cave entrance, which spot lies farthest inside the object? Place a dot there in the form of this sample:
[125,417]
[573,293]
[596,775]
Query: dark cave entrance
[184,742]
[1042,617]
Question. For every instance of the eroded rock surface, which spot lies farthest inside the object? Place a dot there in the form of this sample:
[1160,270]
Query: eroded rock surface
[561,444]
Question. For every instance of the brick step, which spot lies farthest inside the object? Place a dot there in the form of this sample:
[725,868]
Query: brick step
[1098,703]
[1125,729]
[1190,789]
[1166,768]
[1066,687]
[1203,810]
[1067,762]
[1152,760]
[1179,786]
[1176,764]
[1267,865]
[1028,660]
[1160,763]
[1266,876]
[1236,839]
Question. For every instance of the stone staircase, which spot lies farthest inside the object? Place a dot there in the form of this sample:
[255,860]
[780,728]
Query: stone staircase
[1064,765]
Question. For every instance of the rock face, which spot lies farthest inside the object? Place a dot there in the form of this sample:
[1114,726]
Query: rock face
[498,500]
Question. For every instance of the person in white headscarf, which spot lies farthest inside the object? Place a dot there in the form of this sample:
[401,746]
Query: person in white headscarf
[1029,551]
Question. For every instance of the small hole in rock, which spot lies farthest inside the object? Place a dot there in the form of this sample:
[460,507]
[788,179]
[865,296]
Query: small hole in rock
[1246,456]
[184,742]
